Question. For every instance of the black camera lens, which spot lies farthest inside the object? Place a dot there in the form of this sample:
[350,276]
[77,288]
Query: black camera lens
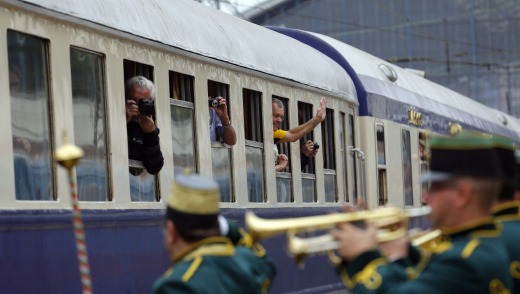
[213,102]
[316,146]
[146,107]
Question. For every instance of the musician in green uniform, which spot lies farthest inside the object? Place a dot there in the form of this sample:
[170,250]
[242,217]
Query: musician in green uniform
[507,209]
[465,179]
[210,254]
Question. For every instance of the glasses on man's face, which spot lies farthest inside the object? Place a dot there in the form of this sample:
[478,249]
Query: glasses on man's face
[442,185]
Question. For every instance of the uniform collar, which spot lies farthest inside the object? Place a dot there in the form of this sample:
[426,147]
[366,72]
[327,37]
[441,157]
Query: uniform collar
[221,246]
[509,208]
[484,227]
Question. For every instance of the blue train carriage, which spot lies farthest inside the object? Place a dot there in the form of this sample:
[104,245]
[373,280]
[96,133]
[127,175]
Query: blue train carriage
[63,67]
[397,107]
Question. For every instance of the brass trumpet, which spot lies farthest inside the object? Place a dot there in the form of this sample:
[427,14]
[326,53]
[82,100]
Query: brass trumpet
[392,223]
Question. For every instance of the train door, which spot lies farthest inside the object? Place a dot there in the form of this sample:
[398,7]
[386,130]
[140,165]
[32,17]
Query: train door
[353,158]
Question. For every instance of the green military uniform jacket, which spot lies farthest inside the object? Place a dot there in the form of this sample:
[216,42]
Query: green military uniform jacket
[470,259]
[231,264]
[508,214]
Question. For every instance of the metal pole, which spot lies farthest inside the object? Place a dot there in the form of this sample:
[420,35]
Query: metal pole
[68,156]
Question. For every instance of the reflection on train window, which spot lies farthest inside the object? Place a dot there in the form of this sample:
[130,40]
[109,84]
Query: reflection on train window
[90,125]
[30,117]
[143,186]
[343,153]
[423,156]
[284,179]
[380,135]
[182,110]
[253,130]
[220,152]
[407,168]
[381,165]
[352,177]
[329,156]
[382,187]
[308,173]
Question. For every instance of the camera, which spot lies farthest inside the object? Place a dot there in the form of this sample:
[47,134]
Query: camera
[146,107]
[315,145]
[213,102]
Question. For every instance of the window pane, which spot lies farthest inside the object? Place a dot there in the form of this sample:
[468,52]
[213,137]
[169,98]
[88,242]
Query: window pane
[352,177]
[308,190]
[255,174]
[344,158]
[142,186]
[221,162]
[407,168]
[330,188]
[383,196]
[88,98]
[32,138]
[284,189]
[182,138]
[380,134]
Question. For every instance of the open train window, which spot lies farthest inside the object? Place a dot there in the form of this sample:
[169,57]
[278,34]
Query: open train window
[284,179]
[143,186]
[329,156]
[31,121]
[221,153]
[90,124]
[253,130]
[381,165]
[308,172]
[182,111]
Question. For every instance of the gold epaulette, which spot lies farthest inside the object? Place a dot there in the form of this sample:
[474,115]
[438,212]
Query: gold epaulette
[368,277]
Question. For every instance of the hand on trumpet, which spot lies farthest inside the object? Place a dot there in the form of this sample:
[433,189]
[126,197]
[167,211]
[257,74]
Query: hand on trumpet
[354,241]
[395,249]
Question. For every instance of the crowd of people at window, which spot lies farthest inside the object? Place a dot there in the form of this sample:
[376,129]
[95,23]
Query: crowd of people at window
[143,134]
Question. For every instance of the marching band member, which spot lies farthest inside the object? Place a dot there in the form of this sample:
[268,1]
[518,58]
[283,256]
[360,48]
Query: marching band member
[507,209]
[465,179]
[210,254]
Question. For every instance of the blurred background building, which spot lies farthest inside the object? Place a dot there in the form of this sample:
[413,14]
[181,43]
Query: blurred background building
[469,46]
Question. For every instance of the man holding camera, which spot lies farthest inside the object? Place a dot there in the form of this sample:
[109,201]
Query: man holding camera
[143,135]
[308,149]
[219,122]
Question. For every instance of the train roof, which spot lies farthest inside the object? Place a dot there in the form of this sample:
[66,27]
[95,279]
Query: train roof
[439,104]
[196,28]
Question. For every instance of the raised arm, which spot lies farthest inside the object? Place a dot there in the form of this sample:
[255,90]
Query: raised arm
[298,132]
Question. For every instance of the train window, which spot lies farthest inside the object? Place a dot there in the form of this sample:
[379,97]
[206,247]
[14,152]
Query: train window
[407,167]
[253,129]
[352,177]
[308,172]
[30,117]
[380,136]
[284,179]
[382,190]
[182,111]
[423,156]
[90,124]
[381,165]
[132,69]
[143,186]
[220,152]
[329,156]
[343,152]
